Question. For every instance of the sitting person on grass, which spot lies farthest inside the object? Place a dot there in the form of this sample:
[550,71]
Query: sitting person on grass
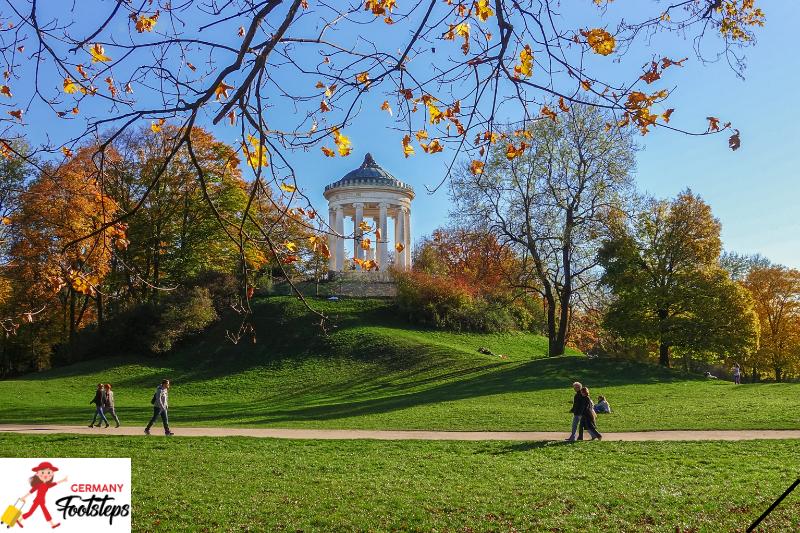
[602,405]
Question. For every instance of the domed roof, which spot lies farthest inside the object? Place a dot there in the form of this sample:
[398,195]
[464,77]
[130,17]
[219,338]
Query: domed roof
[369,173]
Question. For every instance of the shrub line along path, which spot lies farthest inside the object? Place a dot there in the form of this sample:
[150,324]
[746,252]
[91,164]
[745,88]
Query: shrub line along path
[349,434]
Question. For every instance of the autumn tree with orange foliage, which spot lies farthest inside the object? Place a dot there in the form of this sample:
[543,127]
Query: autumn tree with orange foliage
[776,293]
[440,71]
[65,203]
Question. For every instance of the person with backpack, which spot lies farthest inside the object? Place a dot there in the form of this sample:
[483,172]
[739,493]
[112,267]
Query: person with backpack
[576,411]
[160,403]
[109,404]
[99,401]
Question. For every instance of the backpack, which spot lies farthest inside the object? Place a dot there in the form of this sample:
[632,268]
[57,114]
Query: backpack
[153,399]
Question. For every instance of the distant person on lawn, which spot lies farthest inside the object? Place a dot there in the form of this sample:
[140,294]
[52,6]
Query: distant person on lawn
[737,374]
[576,410]
[602,405]
[109,405]
[160,403]
[588,416]
[99,401]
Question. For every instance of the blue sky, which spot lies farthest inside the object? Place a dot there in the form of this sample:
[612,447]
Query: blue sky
[753,191]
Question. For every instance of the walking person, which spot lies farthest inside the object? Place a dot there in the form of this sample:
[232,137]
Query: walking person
[160,403]
[576,410]
[737,374]
[109,405]
[99,401]
[588,417]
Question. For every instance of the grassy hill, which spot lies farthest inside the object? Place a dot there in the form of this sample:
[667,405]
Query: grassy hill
[374,371]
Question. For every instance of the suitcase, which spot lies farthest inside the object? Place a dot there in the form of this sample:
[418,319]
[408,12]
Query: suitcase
[12,514]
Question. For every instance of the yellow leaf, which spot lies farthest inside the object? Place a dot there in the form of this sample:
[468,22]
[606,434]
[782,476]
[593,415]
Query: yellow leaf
[399,247]
[285,187]
[257,157]
[386,107]
[432,147]
[600,40]
[482,10]
[98,54]
[436,115]
[155,125]
[342,142]
[476,167]
[66,151]
[421,134]
[289,245]
[144,23]
[363,78]
[6,221]
[513,152]
[525,67]
[407,148]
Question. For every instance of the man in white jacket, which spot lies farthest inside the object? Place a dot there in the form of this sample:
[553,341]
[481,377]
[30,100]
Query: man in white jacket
[160,403]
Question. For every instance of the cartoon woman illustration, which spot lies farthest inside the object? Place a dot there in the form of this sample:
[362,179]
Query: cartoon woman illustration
[41,482]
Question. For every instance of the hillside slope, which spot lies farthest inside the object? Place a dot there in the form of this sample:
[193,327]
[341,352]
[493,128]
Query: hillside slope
[374,371]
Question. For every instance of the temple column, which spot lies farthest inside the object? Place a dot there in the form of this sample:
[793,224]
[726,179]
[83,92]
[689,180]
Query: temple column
[339,239]
[399,238]
[407,241]
[358,252]
[332,239]
[381,248]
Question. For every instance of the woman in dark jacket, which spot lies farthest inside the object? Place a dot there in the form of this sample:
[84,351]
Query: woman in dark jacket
[99,401]
[588,418]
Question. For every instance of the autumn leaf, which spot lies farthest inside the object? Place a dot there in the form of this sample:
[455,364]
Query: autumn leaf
[232,118]
[549,113]
[156,125]
[328,152]
[285,187]
[17,114]
[421,134]
[733,141]
[435,113]
[562,105]
[6,221]
[513,152]
[525,66]
[241,31]
[432,147]
[289,245]
[324,107]
[407,94]
[476,167]
[586,85]
[600,41]
[667,114]
[128,88]
[289,259]
[5,90]
[98,54]
[386,107]
[144,23]
[407,148]
[81,71]
[713,124]
[342,142]
[257,157]
[222,89]
[399,247]
[66,151]
[362,78]
[366,244]
[482,10]
[191,67]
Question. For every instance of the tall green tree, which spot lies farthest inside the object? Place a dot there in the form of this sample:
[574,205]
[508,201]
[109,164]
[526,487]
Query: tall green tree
[662,268]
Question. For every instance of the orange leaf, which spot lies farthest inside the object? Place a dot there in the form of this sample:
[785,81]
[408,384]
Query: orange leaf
[599,40]
[5,90]
[713,124]
[563,105]
[476,167]
[222,90]
[98,54]
[549,113]
[328,152]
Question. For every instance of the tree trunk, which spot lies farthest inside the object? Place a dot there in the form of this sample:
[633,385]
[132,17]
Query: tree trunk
[663,354]
[778,374]
[100,315]
[663,346]
[551,325]
[755,375]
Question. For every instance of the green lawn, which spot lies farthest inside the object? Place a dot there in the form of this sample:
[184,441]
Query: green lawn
[241,484]
[374,371]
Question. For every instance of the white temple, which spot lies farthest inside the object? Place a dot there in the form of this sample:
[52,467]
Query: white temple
[370,192]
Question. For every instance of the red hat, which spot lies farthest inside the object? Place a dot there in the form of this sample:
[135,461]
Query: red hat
[44,466]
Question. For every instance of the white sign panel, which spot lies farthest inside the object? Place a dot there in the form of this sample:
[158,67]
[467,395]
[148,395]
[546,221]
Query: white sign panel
[69,495]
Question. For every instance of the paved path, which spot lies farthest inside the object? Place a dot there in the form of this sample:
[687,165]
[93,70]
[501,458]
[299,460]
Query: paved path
[329,434]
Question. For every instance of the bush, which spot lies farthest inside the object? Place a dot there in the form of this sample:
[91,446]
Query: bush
[446,303]
[187,312]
